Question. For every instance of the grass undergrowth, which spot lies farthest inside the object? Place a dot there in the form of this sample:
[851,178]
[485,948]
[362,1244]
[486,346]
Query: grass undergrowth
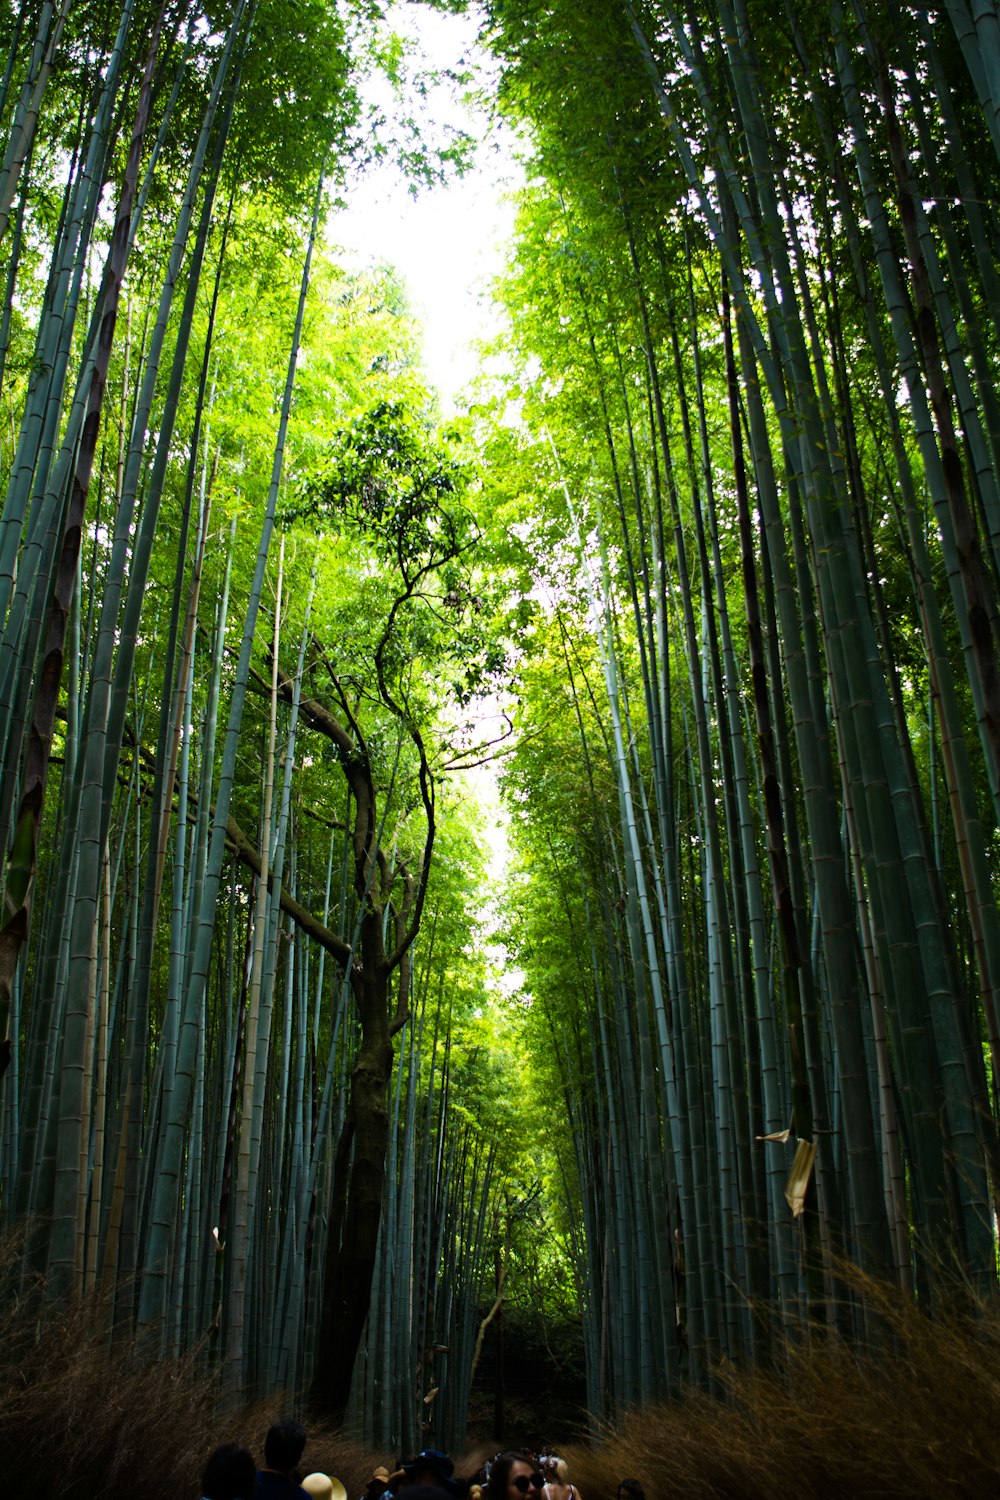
[919,1414]
[80,1417]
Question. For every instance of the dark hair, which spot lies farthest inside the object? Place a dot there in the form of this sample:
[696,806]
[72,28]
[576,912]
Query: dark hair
[633,1488]
[496,1485]
[284,1444]
[438,1472]
[230,1474]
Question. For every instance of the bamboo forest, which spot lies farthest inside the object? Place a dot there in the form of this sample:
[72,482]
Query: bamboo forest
[501,894]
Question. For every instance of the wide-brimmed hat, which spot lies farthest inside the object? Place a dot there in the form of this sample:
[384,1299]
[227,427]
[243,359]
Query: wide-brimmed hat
[322,1487]
[381,1474]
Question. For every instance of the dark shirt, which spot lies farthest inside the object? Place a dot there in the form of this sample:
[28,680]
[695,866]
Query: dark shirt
[271,1486]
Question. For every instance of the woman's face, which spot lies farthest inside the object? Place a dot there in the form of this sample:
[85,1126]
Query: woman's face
[530,1486]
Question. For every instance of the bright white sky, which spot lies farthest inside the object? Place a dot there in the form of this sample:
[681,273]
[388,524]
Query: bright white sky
[448,241]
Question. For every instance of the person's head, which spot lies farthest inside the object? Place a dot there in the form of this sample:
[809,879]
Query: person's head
[230,1474]
[432,1468]
[429,1467]
[631,1489]
[284,1444]
[514,1476]
[560,1470]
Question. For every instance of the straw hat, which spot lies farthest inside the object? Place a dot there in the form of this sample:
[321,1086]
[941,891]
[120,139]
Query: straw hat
[322,1487]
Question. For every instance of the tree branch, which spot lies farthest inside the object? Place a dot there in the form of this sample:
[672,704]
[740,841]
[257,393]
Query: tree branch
[300,915]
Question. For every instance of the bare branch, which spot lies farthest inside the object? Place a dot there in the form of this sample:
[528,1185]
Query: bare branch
[300,915]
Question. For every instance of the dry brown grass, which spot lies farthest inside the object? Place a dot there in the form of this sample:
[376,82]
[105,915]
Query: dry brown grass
[80,1419]
[84,1419]
[922,1418]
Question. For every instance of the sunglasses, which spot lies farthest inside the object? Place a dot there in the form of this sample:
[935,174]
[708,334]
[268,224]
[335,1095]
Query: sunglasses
[526,1482]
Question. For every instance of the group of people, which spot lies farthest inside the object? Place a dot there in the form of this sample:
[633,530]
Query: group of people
[511,1475]
[231,1473]
[528,1476]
